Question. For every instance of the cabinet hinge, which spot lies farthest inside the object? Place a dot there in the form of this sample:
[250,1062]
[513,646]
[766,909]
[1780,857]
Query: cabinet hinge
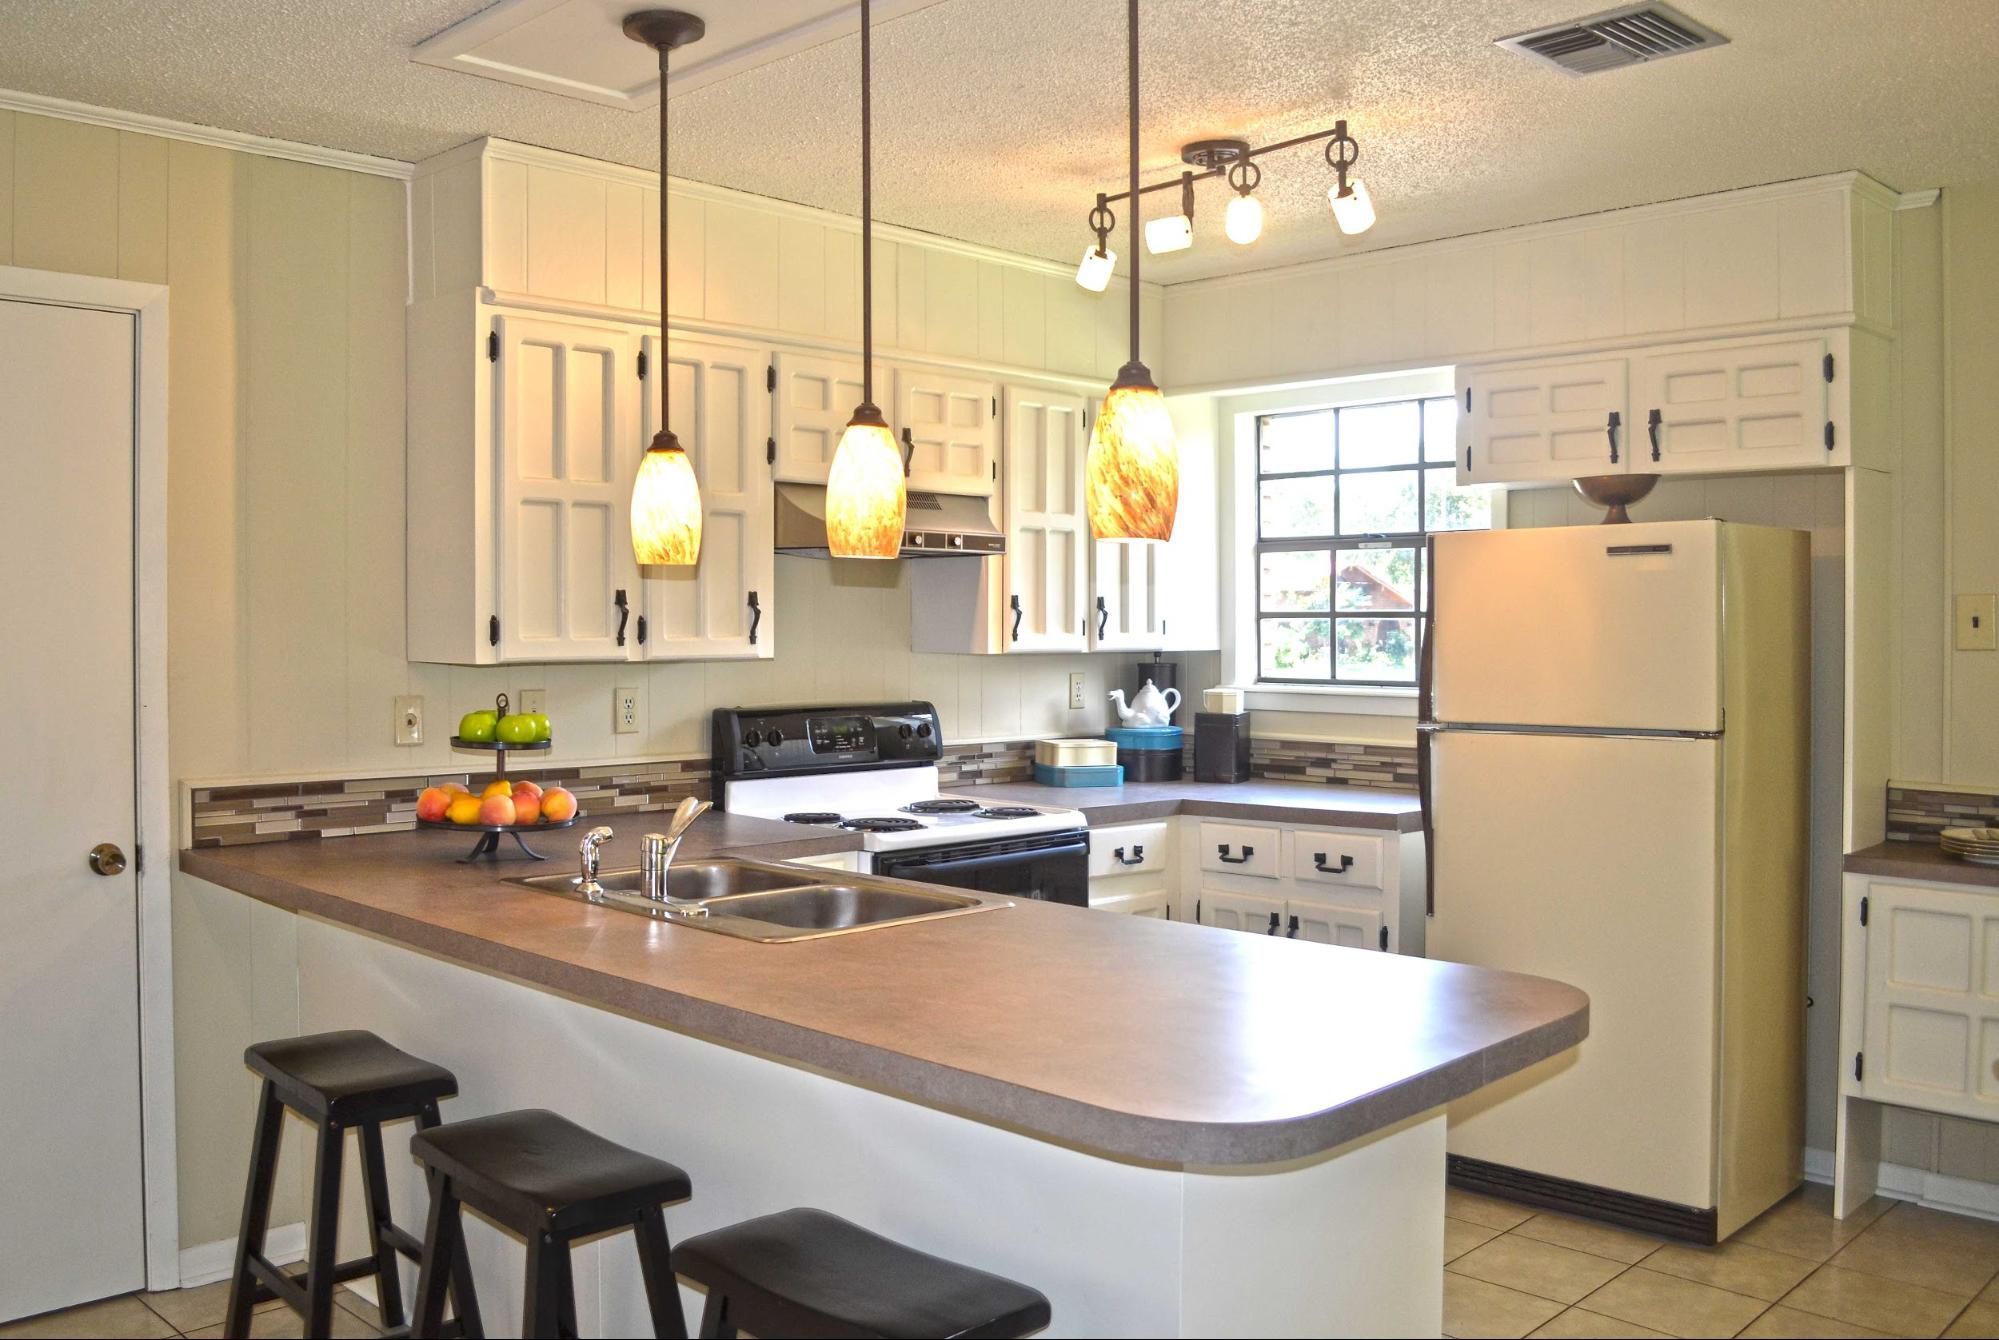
[1384,939]
[642,630]
[1828,434]
[770,450]
[493,630]
[642,365]
[770,377]
[1863,909]
[995,401]
[1859,1066]
[1197,911]
[492,346]
[1467,458]
[1468,400]
[995,469]
[1828,367]
[138,860]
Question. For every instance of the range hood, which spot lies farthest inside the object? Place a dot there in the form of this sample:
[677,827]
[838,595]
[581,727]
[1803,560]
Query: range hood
[940,525]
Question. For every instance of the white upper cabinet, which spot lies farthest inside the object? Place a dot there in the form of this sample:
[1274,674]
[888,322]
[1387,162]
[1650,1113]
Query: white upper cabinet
[566,429]
[1555,419]
[1128,596]
[815,395]
[949,425]
[1736,405]
[1047,561]
[722,607]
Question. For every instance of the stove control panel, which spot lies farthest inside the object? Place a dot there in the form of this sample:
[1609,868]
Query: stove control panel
[761,741]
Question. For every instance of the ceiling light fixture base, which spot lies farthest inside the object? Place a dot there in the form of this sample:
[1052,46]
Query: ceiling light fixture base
[1208,155]
[664,29]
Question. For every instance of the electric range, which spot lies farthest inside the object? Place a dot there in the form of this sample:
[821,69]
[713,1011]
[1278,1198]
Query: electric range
[873,769]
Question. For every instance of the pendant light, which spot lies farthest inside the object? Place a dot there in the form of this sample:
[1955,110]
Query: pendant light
[1133,485]
[666,497]
[867,497]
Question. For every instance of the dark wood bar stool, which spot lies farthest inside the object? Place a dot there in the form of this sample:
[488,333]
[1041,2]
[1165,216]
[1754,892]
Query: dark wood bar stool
[807,1273]
[342,1081]
[549,1180]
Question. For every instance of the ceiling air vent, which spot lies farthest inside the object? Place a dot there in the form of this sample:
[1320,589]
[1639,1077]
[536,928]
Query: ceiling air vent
[1614,39]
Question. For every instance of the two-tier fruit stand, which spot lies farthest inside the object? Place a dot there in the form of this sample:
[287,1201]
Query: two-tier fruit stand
[489,834]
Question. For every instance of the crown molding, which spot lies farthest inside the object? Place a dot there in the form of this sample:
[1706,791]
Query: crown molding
[38,104]
[1917,199]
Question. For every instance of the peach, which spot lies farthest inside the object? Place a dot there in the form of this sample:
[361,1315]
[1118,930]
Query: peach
[496,810]
[558,805]
[526,789]
[527,806]
[499,786]
[463,809]
[456,788]
[432,803]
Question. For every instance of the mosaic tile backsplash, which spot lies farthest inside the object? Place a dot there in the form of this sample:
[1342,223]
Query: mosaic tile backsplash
[1918,814]
[227,816]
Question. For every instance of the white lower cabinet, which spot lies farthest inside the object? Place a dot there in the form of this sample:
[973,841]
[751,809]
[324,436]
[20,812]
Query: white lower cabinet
[1233,910]
[1131,870]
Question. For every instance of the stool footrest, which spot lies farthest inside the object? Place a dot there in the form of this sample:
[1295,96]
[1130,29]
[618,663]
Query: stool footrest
[278,1282]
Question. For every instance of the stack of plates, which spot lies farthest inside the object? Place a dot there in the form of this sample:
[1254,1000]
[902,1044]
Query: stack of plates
[1977,845]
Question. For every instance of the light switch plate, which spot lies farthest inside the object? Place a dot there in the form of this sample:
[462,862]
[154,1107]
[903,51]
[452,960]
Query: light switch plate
[1075,690]
[534,700]
[625,711]
[409,720]
[1978,623]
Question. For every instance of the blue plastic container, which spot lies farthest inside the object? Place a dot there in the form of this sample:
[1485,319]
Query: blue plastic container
[1098,774]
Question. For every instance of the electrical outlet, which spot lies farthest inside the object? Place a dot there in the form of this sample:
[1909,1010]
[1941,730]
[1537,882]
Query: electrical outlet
[409,720]
[625,711]
[1978,623]
[1076,691]
[533,700]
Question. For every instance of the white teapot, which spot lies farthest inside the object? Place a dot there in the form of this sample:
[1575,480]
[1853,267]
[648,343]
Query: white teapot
[1149,708]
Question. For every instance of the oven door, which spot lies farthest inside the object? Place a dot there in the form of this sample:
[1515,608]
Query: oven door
[1048,867]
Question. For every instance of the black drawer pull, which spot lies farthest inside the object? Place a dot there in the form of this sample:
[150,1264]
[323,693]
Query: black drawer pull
[1273,925]
[1243,859]
[1291,934]
[1137,855]
[1319,864]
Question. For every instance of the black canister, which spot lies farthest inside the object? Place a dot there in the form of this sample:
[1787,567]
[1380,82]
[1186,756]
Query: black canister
[1221,746]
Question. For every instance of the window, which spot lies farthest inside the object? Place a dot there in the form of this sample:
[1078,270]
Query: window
[1345,498]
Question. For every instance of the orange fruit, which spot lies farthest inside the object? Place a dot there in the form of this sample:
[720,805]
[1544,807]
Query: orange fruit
[499,786]
[463,809]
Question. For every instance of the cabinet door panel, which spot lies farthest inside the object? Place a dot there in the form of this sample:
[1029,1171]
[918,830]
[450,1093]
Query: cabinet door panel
[952,424]
[1733,407]
[1047,560]
[567,435]
[1250,913]
[1544,421]
[1931,1036]
[1331,924]
[721,414]
[1127,611]
[815,397]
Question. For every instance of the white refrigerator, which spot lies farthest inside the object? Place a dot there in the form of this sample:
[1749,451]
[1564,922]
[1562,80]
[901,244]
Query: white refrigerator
[1614,739]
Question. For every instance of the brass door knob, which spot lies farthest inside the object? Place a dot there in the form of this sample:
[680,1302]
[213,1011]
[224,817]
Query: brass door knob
[107,859]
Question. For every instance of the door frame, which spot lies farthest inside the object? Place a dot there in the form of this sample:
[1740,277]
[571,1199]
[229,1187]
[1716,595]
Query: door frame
[153,860]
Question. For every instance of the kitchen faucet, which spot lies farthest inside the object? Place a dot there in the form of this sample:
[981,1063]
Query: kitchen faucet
[658,850]
[588,856]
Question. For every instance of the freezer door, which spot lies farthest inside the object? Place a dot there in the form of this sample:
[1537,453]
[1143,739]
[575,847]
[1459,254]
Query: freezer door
[1592,861]
[1593,627]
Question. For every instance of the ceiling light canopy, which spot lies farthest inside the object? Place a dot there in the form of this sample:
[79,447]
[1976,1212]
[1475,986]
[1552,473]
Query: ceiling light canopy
[666,497]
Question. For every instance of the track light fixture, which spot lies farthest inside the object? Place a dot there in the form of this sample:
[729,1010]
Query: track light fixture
[1094,273]
[1353,208]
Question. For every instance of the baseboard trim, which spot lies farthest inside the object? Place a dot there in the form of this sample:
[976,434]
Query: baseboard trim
[212,1261]
[1936,1191]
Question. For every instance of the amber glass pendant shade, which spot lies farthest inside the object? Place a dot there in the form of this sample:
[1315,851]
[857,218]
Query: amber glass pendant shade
[867,498]
[1132,484]
[666,506]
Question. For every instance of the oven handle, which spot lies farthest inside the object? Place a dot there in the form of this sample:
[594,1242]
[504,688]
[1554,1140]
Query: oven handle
[898,862]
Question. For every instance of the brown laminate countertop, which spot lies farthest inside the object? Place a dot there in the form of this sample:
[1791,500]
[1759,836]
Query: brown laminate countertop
[1258,798]
[1919,860]
[1140,1039]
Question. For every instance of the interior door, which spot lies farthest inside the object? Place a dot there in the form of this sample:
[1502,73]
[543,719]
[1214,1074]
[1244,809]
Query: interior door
[1758,406]
[1048,541]
[814,397]
[1545,420]
[70,1174]
[721,607]
[1611,627]
[953,429]
[1591,860]
[566,419]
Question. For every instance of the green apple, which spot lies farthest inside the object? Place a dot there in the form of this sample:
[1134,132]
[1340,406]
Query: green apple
[515,728]
[542,730]
[478,726]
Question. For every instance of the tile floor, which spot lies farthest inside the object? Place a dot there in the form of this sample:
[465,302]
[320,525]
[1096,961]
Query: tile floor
[1892,1269]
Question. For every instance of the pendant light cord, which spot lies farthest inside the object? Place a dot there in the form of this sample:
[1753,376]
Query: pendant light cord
[1131,53]
[665,360]
[868,214]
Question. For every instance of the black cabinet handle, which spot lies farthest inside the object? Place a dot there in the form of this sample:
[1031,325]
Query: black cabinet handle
[908,452]
[1103,618]
[1319,864]
[1247,852]
[1137,855]
[624,614]
[1610,428]
[1273,925]
[756,617]
[1016,618]
[1292,934]
[1652,427]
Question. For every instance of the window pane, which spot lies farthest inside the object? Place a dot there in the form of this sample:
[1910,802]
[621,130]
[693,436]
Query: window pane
[1382,649]
[1293,442]
[1378,435]
[1300,579]
[1377,579]
[1448,507]
[1297,649]
[1440,429]
[1297,507]
[1378,504]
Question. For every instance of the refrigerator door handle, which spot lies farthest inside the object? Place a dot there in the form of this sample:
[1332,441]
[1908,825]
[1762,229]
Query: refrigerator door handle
[1426,664]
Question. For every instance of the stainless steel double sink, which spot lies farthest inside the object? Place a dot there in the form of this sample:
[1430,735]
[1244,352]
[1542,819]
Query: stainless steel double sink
[756,900]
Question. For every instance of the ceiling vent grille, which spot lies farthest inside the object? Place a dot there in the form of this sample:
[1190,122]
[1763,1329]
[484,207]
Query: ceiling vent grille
[1614,39]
